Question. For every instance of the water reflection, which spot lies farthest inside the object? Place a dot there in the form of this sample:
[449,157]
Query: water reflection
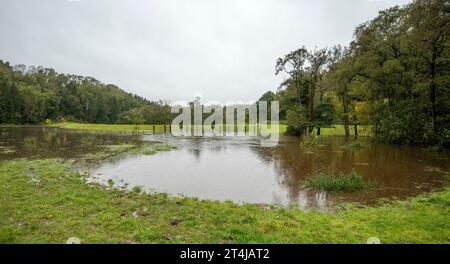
[238,169]
[48,142]
[242,171]
[401,171]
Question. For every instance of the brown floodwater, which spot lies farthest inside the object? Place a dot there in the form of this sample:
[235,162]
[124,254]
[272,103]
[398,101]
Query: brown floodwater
[36,142]
[239,169]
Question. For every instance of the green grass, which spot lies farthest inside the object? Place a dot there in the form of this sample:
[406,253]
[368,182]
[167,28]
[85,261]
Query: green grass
[163,147]
[127,128]
[45,201]
[112,127]
[115,152]
[119,148]
[354,145]
[336,130]
[310,140]
[154,148]
[88,140]
[30,141]
[348,183]
[149,152]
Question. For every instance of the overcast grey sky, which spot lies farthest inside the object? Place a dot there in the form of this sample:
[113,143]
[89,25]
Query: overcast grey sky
[172,49]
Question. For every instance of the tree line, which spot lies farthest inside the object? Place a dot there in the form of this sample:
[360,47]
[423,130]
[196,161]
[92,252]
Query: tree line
[394,75]
[32,95]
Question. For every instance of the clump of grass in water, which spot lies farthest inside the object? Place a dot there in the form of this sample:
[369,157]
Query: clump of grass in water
[354,145]
[350,182]
[111,182]
[121,147]
[153,149]
[87,140]
[30,141]
[137,189]
[310,140]
[149,152]
[164,147]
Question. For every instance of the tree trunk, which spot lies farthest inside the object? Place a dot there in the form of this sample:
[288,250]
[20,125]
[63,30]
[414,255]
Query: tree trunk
[318,131]
[355,126]
[299,90]
[312,92]
[433,93]
[346,119]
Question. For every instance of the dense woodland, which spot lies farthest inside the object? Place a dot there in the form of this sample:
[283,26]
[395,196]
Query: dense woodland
[30,95]
[394,75]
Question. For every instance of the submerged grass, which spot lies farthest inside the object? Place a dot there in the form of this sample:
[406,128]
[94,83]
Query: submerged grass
[163,147]
[349,183]
[152,149]
[59,205]
[310,141]
[114,152]
[30,141]
[354,145]
[149,152]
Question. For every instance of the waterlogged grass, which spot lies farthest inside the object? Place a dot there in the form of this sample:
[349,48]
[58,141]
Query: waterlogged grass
[120,147]
[88,140]
[152,149]
[108,152]
[349,183]
[310,141]
[163,147]
[336,130]
[149,152]
[30,142]
[354,146]
[58,204]
[113,127]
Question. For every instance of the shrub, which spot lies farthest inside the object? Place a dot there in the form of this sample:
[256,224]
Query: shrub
[351,182]
[310,140]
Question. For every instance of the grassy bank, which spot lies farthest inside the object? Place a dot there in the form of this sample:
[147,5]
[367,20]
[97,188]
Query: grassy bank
[128,128]
[112,127]
[44,201]
[337,130]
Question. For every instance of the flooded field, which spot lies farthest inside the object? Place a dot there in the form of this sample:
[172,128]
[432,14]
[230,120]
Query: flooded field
[49,142]
[239,169]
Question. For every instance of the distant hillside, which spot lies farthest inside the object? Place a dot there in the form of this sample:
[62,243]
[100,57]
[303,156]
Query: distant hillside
[34,94]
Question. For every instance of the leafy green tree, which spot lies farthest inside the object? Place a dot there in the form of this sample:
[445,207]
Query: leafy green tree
[397,69]
[318,60]
[294,65]
[326,114]
[134,117]
[34,94]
